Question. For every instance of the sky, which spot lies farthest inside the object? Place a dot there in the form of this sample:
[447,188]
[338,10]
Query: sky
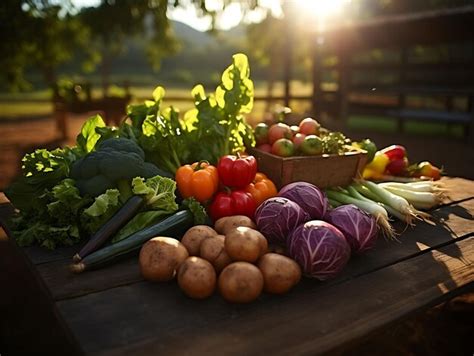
[228,19]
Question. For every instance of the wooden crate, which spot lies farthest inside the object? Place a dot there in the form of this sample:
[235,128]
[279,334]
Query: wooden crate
[323,171]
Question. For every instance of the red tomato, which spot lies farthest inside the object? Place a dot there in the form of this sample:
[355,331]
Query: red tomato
[283,148]
[278,131]
[309,126]
[298,139]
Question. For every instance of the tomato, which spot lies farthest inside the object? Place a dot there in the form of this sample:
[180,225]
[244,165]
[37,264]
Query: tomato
[298,139]
[312,145]
[278,131]
[283,148]
[265,148]
[261,133]
[294,129]
[309,126]
[394,152]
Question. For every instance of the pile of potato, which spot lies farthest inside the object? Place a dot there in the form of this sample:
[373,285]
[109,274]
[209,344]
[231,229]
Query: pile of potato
[233,257]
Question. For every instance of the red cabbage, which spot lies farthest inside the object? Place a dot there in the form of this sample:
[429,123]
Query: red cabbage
[319,248]
[359,227]
[307,196]
[277,217]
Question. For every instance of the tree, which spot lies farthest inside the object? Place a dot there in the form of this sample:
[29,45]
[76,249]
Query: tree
[38,34]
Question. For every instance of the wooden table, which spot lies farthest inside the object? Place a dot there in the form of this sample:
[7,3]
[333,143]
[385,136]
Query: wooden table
[114,311]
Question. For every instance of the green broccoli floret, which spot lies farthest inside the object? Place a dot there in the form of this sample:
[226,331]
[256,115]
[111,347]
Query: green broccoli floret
[113,165]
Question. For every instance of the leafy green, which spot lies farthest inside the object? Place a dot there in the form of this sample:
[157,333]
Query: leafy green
[55,219]
[103,208]
[159,193]
[198,211]
[88,137]
[217,125]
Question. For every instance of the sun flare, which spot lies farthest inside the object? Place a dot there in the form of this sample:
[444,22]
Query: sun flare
[320,8]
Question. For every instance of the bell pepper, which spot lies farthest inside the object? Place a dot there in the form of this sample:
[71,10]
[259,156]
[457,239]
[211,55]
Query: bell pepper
[261,188]
[199,180]
[394,152]
[426,169]
[229,203]
[379,163]
[369,146]
[237,171]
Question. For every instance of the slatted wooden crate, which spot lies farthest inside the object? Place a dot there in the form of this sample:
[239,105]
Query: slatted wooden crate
[323,171]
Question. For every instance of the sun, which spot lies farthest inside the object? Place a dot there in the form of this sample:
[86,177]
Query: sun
[320,9]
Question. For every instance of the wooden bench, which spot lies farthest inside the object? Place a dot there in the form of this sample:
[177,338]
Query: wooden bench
[113,310]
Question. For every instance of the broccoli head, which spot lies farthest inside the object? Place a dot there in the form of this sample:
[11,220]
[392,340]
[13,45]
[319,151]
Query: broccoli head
[113,165]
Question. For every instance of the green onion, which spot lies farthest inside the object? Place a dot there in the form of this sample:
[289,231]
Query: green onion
[369,206]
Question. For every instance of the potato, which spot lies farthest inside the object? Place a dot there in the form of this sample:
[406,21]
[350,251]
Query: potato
[280,273]
[228,223]
[240,282]
[160,257]
[212,250]
[245,244]
[197,278]
[194,236]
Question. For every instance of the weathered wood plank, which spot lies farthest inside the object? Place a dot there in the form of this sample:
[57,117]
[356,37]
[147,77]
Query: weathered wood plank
[64,284]
[457,222]
[458,188]
[29,322]
[147,318]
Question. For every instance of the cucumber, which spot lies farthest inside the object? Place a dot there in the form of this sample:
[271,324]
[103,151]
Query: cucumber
[111,227]
[174,225]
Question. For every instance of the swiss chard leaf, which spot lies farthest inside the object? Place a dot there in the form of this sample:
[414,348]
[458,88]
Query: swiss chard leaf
[88,137]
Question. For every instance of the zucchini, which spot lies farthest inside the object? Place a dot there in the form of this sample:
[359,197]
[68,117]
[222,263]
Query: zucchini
[174,225]
[111,227]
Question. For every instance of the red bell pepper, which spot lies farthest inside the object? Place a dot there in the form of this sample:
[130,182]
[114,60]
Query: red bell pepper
[236,171]
[229,203]
[394,152]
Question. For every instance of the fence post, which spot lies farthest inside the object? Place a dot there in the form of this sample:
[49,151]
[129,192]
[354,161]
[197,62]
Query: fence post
[60,114]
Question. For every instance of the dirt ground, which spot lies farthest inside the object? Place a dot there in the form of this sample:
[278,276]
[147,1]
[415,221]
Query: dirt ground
[445,329]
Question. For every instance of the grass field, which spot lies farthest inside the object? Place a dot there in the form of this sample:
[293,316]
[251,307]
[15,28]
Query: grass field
[37,104]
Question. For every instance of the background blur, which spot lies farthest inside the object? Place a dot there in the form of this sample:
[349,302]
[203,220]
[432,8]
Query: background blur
[63,60]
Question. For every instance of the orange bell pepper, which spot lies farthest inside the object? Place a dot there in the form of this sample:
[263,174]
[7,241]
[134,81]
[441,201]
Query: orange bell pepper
[199,180]
[261,188]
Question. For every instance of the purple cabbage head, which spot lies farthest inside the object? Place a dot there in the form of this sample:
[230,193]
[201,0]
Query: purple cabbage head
[359,227]
[277,217]
[319,248]
[307,196]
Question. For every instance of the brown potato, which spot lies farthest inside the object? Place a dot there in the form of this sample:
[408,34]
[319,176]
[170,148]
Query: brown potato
[212,250]
[160,257]
[240,282]
[197,278]
[193,238]
[280,273]
[245,244]
[227,224]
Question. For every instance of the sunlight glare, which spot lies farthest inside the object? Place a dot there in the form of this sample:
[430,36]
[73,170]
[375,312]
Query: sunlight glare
[320,8]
